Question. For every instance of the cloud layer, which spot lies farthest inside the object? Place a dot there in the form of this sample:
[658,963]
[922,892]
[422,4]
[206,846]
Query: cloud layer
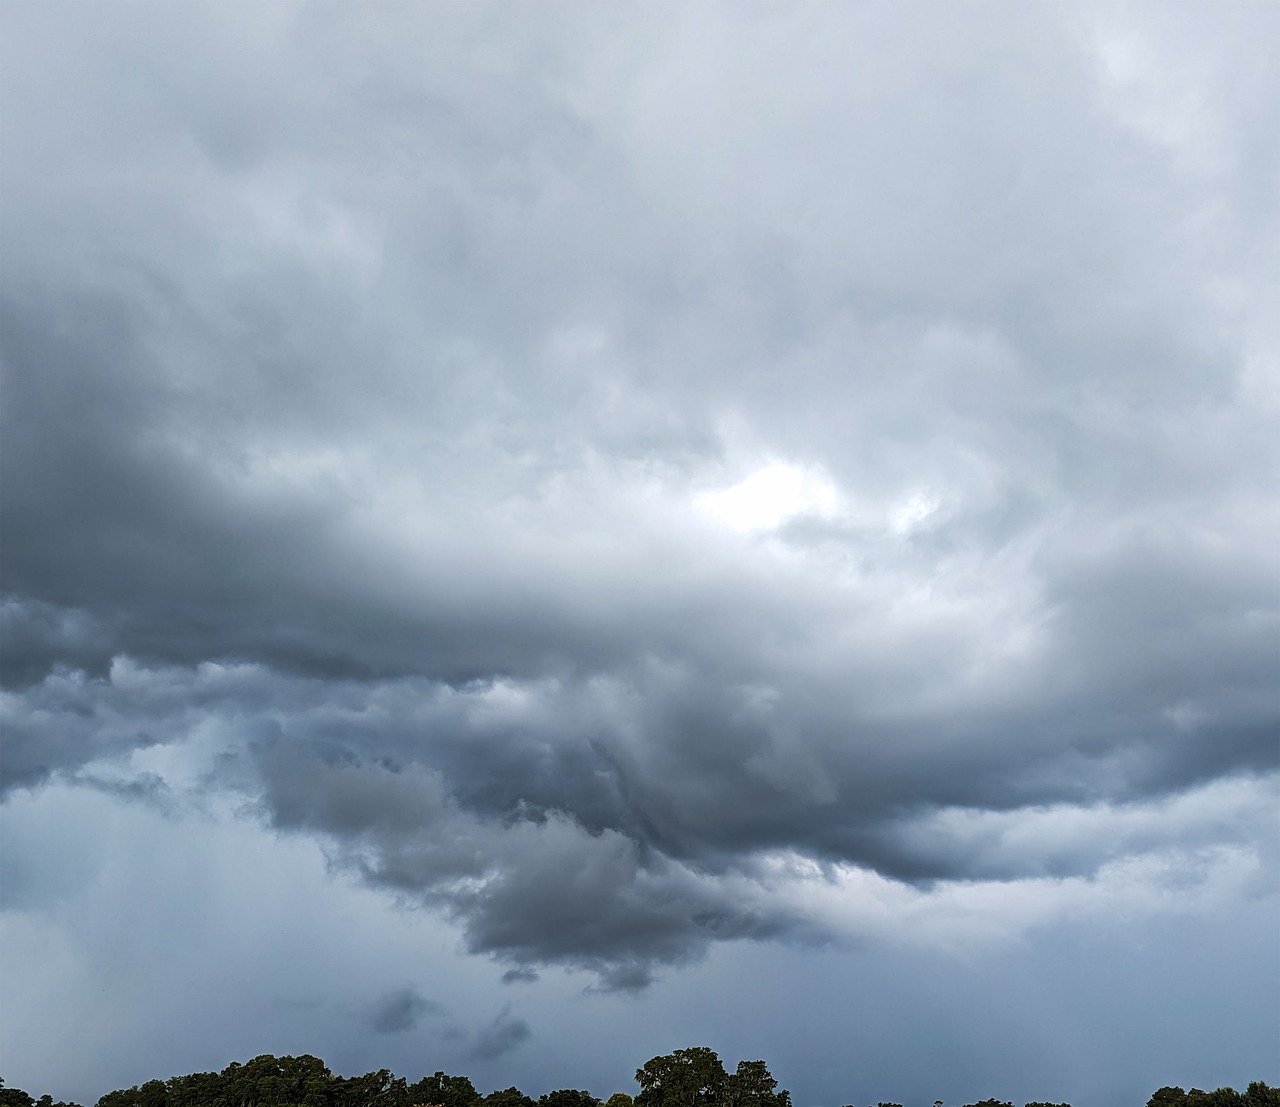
[626,485]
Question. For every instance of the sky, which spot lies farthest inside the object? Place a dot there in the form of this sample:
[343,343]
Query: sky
[539,535]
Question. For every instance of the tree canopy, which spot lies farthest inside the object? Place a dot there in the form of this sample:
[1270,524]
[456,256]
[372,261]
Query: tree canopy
[692,1077]
[695,1077]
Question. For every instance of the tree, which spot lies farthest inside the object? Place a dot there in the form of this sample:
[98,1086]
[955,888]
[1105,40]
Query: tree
[200,1089]
[754,1086]
[373,1089]
[269,1081]
[444,1091]
[691,1077]
[508,1097]
[1259,1094]
[151,1094]
[568,1097]
[622,1099]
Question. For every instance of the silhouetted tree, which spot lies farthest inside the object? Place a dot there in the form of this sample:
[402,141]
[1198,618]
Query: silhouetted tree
[200,1089]
[753,1085]
[444,1090]
[568,1097]
[373,1089]
[1259,1094]
[508,1097]
[691,1077]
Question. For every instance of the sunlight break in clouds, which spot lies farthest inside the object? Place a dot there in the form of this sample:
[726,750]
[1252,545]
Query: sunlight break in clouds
[770,496]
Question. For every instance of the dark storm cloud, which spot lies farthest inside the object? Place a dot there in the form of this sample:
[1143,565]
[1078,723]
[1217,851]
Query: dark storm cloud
[374,429]
[533,887]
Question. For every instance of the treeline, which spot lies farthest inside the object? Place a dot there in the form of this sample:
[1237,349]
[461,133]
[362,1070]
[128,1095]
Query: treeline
[692,1077]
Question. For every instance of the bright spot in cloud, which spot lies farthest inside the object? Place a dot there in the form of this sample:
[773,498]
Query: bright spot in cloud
[916,510]
[770,496]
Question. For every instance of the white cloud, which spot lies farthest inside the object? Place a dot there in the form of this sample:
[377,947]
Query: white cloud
[771,495]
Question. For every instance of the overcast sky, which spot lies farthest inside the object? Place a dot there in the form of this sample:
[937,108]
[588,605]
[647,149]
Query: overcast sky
[539,535]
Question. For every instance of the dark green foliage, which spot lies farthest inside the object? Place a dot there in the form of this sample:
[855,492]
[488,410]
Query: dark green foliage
[200,1089]
[568,1097]
[508,1097]
[691,1077]
[753,1085]
[267,1081]
[696,1078]
[374,1089]
[1258,1094]
[151,1094]
[444,1091]
[16,1097]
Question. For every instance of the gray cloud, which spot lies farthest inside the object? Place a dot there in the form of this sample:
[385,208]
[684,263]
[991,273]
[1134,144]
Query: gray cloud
[399,1010]
[371,433]
[503,1035]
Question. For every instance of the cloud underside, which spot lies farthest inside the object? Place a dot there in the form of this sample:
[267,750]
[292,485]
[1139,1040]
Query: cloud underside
[626,523]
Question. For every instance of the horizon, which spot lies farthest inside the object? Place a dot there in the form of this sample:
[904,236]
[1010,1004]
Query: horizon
[447,1094]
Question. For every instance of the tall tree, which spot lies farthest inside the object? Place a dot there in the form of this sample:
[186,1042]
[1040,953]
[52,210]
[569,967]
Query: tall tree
[753,1085]
[444,1091]
[691,1077]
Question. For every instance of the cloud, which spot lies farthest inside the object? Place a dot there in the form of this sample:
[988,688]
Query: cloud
[504,1034]
[399,1010]
[615,516]
[598,882]
[624,978]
